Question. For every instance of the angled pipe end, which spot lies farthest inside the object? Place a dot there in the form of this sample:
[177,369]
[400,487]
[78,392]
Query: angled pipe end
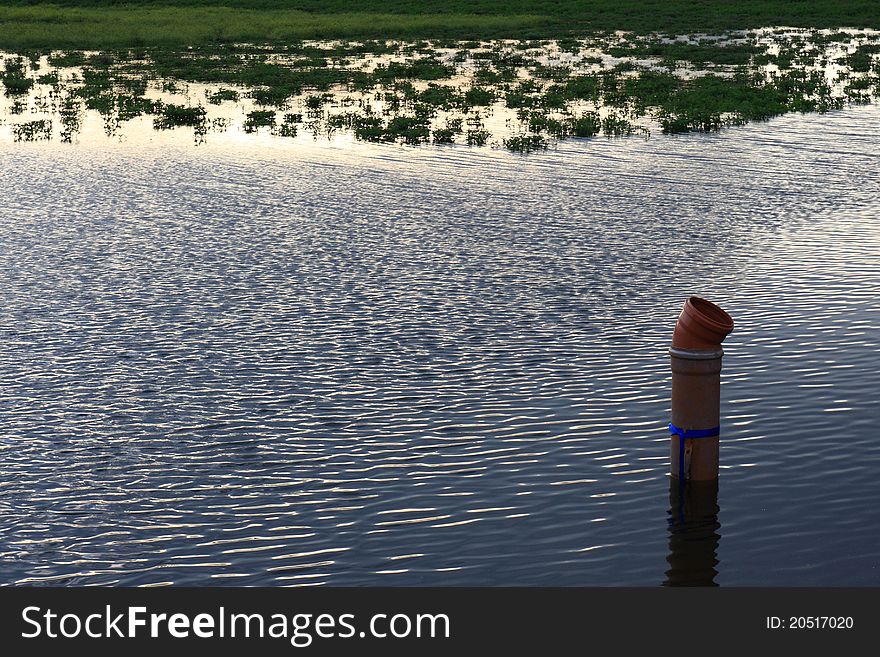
[701,326]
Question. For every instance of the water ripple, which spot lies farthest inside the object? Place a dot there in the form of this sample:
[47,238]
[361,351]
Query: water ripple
[445,366]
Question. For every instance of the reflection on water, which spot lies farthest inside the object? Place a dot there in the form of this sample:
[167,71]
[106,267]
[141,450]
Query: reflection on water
[380,365]
[694,533]
[520,95]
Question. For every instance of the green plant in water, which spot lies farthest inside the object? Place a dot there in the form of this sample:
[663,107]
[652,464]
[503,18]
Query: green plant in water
[487,75]
[477,137]
[67,59]
[569,45]
[447,134]
[702,104]
[70,116]
[439,96]
[367,128]
[525,143]
[587,125]
[427,68]
[115,84]
[860,61]
[523,95]
[554,97]
[539,122]
[288,126]
[614,125]
[582,87]
[650,89]
[859,91]
[220,95]
[49,78]
[479,97]
[16,85]
[410,129]
[259,119]
[697,53]
[180,115]
[40,130]
[14,79]
[316,102]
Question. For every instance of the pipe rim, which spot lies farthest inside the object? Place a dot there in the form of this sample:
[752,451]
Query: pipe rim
[710,314]
[696,354]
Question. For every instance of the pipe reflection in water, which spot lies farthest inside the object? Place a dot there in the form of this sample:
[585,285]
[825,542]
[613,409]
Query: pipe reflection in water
[694,532]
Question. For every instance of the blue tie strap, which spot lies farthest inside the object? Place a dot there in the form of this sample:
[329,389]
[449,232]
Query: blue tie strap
[694,433]
[687,434]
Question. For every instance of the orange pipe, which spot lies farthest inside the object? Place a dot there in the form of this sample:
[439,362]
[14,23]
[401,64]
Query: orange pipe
[701,325]
[696,389]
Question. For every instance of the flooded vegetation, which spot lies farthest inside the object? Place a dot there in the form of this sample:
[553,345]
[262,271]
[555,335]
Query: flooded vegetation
[520,95]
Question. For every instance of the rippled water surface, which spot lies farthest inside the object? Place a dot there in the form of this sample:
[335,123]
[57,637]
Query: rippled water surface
[259,364]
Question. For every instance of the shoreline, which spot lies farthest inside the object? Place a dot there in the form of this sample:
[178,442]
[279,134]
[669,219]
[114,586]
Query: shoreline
[91,24]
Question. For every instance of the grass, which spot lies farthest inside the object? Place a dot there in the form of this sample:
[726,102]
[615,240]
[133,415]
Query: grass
[259,119]
[40,130]
[525,143]
[47,26]
[13,78]
[106,24]
[173,116]
[288,126]
[222,95]
[696,53]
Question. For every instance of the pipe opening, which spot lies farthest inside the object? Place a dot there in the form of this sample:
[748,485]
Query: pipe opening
[713,313]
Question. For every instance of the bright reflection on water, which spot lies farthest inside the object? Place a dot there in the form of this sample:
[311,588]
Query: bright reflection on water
[384,365]
[520,95]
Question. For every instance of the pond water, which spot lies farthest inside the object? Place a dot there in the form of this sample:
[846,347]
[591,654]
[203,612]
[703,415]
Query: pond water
[519,95]
[247,363]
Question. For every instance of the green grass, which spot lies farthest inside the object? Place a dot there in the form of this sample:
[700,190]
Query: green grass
[107,28]
[697,53]
[259,119]
[178,115]
[103,24]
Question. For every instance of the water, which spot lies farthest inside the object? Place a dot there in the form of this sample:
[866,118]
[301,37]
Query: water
[247,363]
[519,95]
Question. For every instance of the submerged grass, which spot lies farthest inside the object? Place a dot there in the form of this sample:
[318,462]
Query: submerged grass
[259,119]
[418,92]
[697,53]
[13,78]
[40,130]
[526,143]
[173,116]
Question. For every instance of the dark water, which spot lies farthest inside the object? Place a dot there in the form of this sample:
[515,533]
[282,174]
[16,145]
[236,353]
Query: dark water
[437,366]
